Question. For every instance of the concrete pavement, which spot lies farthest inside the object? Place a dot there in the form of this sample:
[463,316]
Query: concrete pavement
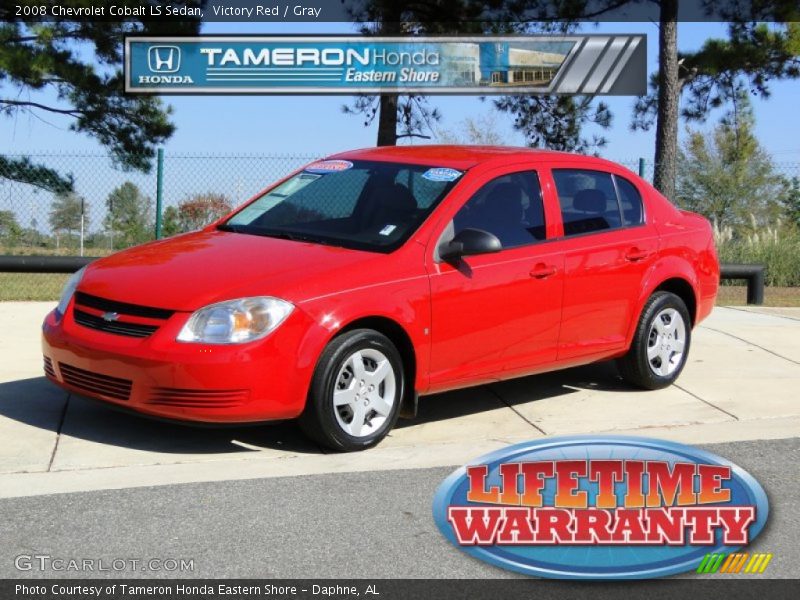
[740,384]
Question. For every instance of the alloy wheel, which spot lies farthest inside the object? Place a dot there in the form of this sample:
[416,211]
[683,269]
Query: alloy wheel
[364,393]
[666,342]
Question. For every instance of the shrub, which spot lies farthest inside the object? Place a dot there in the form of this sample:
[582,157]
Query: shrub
[776,246]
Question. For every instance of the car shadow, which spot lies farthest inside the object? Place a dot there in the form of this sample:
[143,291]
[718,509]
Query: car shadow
[601,376]
[39,403]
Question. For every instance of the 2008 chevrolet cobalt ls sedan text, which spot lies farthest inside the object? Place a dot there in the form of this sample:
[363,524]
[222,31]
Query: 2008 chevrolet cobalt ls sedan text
[360,281]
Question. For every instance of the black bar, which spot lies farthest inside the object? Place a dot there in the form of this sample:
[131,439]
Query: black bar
[753,274]
[710,588]
[339,11]
[43,264]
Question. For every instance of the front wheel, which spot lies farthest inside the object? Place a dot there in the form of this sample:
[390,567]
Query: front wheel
[660,345]
[355,393]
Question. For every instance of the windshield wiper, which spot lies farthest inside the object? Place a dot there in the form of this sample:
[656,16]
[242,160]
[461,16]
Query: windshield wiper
[232,228]
[273,233]
[290,235]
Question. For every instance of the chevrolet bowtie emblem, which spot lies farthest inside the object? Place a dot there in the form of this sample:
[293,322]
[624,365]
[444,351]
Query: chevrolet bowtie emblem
[110,316]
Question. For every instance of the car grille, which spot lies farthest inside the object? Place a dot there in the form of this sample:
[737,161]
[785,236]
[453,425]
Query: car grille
[198,398]
[96,384]
[94,312]
[48,367]
[118,327]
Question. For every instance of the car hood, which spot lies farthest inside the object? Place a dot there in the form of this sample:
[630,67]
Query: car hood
[190,271]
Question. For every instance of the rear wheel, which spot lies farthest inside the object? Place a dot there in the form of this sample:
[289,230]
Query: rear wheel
[660,345]
[355,393]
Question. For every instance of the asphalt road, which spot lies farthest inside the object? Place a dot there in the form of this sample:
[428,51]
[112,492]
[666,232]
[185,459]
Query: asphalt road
[373,524]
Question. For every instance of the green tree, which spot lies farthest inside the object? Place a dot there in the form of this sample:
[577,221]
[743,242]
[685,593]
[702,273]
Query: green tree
[65,214]
[558,122]
[791,201]
[10,230]
[727,176]
[129,217]
[73,69]
[170,222]
[753,55]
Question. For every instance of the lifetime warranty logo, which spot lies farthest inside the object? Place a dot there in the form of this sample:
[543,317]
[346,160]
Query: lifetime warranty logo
[602,508]
[596,64]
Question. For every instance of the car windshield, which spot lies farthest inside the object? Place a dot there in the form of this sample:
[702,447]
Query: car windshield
[365,205]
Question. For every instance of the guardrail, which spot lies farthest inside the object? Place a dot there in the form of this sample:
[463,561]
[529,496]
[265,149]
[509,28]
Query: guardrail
[753,274]
[43,264]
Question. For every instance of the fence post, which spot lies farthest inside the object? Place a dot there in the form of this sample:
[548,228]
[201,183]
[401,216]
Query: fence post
[159,190]
[641,168]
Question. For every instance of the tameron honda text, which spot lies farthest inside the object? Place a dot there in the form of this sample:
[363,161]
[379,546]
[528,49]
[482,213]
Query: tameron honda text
[599,507]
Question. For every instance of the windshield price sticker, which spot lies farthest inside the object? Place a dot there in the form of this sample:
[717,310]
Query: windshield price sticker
[329,166]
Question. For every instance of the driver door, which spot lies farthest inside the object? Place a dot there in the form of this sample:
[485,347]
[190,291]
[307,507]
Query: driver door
[497,315]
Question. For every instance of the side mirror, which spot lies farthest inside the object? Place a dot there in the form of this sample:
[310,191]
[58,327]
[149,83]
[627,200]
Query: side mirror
[469,242]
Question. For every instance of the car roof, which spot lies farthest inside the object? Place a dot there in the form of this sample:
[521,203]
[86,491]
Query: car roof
[455,156]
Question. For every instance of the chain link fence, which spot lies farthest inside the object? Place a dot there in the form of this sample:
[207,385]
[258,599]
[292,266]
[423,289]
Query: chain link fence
[109,209]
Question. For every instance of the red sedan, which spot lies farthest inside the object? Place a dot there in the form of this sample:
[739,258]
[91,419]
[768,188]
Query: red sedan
[347,289]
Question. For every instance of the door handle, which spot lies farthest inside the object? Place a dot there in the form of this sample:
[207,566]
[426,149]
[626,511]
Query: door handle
[542,271]
[634,254]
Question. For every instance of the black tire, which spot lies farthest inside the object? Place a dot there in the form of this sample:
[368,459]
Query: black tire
[635,367]
[319,419]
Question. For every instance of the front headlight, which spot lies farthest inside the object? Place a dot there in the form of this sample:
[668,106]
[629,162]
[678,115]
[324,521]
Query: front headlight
[235,321]
[69,290]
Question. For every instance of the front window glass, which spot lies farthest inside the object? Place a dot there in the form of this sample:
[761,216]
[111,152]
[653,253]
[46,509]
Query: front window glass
[509,207]
[361,204]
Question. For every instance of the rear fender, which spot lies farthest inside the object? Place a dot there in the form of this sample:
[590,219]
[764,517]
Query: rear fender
[667,267]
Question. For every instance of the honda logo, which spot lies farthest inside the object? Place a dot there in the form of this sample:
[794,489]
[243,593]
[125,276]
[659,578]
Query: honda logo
[164,59]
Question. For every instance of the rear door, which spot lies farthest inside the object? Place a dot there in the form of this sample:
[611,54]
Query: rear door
[608,248]
[497,314]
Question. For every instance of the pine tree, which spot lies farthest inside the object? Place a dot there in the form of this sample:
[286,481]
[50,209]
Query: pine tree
[72,70]
[727,176]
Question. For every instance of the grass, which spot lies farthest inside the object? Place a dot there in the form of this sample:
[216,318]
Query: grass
[37,286]
[31,286]
[736,295]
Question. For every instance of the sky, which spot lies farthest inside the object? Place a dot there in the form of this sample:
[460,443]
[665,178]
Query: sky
[316,125]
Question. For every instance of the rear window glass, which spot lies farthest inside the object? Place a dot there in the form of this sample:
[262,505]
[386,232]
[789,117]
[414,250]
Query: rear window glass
[630,200]
[588,201]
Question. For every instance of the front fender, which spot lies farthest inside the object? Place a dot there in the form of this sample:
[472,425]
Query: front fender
[404,303]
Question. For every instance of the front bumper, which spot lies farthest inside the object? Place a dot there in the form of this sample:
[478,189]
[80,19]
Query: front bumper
[259,381]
